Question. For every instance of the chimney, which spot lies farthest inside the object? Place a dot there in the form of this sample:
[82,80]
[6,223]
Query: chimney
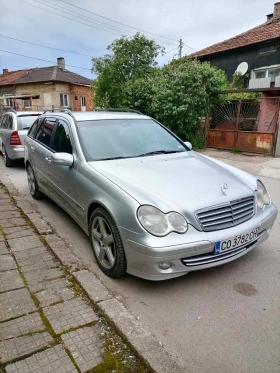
[269,17]
[61,63]
[5,71]
[276,13]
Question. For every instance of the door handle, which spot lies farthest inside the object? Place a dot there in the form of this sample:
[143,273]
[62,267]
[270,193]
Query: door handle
[48,159]
[32,148]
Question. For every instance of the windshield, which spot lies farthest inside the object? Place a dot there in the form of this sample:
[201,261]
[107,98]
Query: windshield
[24,122]
[125,138]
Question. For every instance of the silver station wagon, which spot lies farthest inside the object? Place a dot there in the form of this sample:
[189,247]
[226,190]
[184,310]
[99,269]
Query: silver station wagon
[151,206]
[13,130]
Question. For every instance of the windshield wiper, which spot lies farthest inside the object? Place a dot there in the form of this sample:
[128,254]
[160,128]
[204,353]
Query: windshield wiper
[160,152]
[110,158]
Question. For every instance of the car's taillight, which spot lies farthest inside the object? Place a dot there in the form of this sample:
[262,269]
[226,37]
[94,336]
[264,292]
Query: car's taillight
[14,139]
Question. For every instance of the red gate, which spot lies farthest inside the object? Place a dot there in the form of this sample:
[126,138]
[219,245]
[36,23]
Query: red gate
[248,125]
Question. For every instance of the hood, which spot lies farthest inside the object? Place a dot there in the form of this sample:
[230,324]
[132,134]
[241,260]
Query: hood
[182,182]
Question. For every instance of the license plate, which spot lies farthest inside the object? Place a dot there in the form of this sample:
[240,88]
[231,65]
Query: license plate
[235,242]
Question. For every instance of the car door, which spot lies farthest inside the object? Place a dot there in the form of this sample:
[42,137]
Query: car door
[40,151]
[2,120]
[62,179]
[6,130]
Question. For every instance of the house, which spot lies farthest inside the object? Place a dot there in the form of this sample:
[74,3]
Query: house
[255,52]
[248,125]
[45,88]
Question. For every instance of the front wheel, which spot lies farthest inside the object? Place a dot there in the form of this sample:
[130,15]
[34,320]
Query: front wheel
[7,161]
[107,244]
[32,183]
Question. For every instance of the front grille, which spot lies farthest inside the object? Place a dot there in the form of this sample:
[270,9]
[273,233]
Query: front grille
[226,215]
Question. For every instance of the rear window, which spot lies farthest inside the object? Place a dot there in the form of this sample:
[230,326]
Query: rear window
[24,122]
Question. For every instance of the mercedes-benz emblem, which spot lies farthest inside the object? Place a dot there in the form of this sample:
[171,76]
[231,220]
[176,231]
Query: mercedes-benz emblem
[224,187]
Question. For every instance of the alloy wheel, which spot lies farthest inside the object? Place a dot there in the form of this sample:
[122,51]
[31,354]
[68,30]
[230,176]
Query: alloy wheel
[103,242]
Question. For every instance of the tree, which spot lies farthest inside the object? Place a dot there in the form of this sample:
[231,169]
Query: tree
[178,95]
[130,59]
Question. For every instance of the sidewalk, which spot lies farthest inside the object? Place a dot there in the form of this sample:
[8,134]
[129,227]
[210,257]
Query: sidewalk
[47,323]
[255,164]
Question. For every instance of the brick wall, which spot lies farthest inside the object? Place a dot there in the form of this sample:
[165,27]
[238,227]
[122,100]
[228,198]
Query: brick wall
[76,93]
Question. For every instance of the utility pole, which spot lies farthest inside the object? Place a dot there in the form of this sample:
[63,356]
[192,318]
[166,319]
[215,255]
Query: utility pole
[180,48]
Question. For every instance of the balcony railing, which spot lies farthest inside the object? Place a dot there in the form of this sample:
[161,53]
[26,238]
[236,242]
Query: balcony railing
[259,83]
[277,81]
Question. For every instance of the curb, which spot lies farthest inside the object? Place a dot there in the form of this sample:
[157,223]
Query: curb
[133,331]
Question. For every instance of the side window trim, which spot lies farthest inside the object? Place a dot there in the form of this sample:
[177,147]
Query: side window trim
[52,135]
[38,123]
[66,124]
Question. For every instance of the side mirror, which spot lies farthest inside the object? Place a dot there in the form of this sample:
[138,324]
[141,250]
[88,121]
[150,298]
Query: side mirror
[62,159]
[189,144]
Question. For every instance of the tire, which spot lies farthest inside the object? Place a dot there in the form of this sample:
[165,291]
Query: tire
[107,244]
[32,183]
[7,161]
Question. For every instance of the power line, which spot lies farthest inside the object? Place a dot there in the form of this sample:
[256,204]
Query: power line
[63,16]
[135,28]
[77,15]
[171,50]
[187,47]
[45,46]
[109,19]
[40,59]
[100,26]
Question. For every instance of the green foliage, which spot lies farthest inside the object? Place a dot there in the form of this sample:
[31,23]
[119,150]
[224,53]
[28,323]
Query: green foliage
[239,82]
[130,58]
[234,150]
[177,95]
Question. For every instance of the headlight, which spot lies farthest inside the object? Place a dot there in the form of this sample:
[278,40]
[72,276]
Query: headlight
[262,196]
[160,224]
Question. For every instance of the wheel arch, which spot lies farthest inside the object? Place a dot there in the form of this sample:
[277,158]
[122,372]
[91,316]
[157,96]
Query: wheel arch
[93,206]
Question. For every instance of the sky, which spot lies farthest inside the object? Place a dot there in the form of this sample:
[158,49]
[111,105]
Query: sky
[87,27]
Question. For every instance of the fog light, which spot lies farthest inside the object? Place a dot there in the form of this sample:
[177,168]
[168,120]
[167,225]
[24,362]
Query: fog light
[164,265]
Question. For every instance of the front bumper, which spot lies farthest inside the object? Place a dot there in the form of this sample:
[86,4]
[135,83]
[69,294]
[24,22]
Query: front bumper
[145,254]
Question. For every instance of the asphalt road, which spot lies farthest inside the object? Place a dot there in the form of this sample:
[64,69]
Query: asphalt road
[225,319]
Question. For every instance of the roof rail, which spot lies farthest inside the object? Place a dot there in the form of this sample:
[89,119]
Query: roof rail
[61,110]
[126,110]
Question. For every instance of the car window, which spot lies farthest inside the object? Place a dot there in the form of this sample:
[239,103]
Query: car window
[7,122]
[34,128]
[2,121]
[125,138]
[24,122]
[45,131]
[61,142]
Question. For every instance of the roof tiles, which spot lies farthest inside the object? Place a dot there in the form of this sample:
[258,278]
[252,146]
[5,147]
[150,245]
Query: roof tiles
[43,74]
[264,32]
[12,76]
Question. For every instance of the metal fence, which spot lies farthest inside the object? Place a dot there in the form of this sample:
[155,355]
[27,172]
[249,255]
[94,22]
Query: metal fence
[246,125]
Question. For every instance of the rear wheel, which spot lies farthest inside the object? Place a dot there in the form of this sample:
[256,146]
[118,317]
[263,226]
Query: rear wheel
[107,244]
[7,161]
[32,183]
